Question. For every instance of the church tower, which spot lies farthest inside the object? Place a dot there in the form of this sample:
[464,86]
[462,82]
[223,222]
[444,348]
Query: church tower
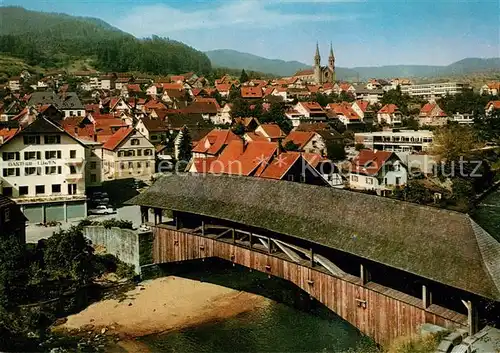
[317,66]
[331,64]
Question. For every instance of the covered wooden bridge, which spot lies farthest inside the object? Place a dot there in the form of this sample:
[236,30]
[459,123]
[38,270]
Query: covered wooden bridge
[383,265]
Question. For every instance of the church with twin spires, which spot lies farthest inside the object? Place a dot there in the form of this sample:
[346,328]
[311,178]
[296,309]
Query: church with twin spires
[319,74]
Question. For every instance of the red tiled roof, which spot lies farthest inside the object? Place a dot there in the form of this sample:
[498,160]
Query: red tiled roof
[268,91]
[223,87]
[312,107]
[118,137]
[215,141]
[208,100]
[495,104]
[202,108]
[369,162]
[300,138]
[255,137]
[363,105]
[172,86]
[281,164]
[389,109]
[272,131]
[153,104]
[345,86]
[344,109]
[307,72]
[313,89]
[177,78]
[226,162]
[134,88]
[7,133]
[493,85]
[251,92]
[255,158]
[92,108]
[203,165]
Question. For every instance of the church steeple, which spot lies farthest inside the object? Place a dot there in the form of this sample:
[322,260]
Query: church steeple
[317,57]
[331,64]
[331,52]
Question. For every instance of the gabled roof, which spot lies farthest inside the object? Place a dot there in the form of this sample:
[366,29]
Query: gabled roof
[251,92]
[299,138]
[363,105]
[117,138]
[251,136]
[227,159]
[312,107]
[255,158]
[278,168]
[272,131]
[344,109]
[494,104]
[215,141]
[389,109]
[154,125]
[369,162]
[435,244]
[307,72]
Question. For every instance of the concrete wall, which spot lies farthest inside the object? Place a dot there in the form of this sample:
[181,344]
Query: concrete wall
[123,243]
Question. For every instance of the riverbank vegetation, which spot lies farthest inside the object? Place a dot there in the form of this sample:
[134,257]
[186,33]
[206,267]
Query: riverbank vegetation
[43,282]
[405,344]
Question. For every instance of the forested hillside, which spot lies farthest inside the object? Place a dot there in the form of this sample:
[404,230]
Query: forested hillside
[54,40]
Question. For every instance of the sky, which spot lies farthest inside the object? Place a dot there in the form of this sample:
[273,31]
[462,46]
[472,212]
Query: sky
[362,32]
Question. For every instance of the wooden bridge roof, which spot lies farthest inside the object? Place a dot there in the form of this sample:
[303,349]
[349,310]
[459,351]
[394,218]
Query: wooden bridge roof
[440,245]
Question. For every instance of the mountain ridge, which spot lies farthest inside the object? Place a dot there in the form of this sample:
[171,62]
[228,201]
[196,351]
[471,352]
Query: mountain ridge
[240,60]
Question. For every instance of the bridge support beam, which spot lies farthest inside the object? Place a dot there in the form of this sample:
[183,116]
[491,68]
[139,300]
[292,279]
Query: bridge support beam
[472,317]
[157,215]
[312,257]
[202,228]
[426,297]
[364,274]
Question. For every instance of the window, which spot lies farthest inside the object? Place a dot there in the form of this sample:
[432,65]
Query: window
[32,171]
[93,165]
[79,113]
[50,170]
[23,190]
[129,153]
[121,153]
[122,165]
[134,142]
[302,178]
[10,156]
[369,181]
[7,191]
[130,165]
[8,172]
[147,164]
[52,139]
[56,188]
[93,178]
[32,155]
[398,180]
[138,165]
[147,152]
[290,177]
[354,178]
[52,154]
[72,154]
[31,140]
[71,189]
[154,137]
[40,189]
[139,153]
[72,169]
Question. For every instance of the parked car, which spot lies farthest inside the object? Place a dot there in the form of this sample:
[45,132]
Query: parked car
[102,209]
[100,197]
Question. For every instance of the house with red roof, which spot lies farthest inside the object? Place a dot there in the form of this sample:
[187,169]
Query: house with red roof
[207,107]
[307,141]
[128,154]
[294,167]
[491,88]
[271,132]
[306,111]
[389,114]
[492,105]
[249,123]
[431,114]
[362,108]
[380,171]
[214,143]
[254,159]
[249,92]
[175,98]
[155,130]
[344,113]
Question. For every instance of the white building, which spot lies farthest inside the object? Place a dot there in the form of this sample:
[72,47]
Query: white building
[380,171]
[396,140]
[42,169]
[462,118]
[431,91]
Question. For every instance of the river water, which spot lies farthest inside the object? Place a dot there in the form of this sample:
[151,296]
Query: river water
[291,323]
[487,214]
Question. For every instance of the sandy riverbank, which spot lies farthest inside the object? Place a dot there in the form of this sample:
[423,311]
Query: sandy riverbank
[163,305]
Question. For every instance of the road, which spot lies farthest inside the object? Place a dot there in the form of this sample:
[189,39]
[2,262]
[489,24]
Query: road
[130,213]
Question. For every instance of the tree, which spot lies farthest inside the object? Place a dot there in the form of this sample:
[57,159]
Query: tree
[243,76]
[234,93]
[239,129]
[276,114]
[291,146]
[395,96]
[185,146]
[335,151]
[411,123]
[453,142]
[487,125]
[13,274]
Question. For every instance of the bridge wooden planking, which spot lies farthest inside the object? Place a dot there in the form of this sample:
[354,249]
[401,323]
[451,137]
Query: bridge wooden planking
[384,318]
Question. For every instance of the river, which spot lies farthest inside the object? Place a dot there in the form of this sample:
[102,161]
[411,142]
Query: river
[487,214]
[291,323]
